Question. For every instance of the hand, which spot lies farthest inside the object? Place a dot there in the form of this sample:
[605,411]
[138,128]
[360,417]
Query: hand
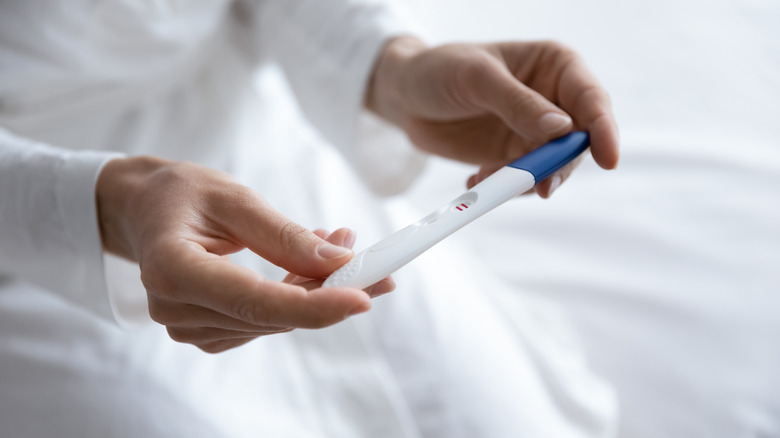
[489,104]
[180,221]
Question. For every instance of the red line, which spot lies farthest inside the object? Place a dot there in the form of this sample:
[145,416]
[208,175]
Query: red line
[459,209]
[464,205]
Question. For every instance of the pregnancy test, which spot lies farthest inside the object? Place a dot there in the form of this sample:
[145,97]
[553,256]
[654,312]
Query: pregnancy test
[390,254]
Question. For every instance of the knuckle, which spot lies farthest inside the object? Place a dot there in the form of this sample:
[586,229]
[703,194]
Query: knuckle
[175,174]
[232,195]
[158,313]
[178,169]
[151,278]
[213,347]
[472,72]
[558,49]
[154,264]
[599,94]
[607,98]
[584,100]
[475,66]
[156,279]
[522,109]
[558,55]
[169,313]
[180,335]
[520,104]
[253,312]
[290,234]
[223,345]
[321,320]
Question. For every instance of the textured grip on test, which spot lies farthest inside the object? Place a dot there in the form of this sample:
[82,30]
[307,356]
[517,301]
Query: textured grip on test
[346,273]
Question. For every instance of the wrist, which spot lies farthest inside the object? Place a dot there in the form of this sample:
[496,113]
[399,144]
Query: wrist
[385,91]
[115,197]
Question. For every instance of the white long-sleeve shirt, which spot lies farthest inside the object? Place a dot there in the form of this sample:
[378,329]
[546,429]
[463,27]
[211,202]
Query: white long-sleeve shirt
[87,81]
[88,90]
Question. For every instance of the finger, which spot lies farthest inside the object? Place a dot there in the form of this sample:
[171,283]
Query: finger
[526,112]
[293,278]
[381,287]
[224,345]
[546,188]
[543,188]
[321,233]
[589,104]
[258,226]
[205,335]
[484,172]
[487,170]
[346,237]
[192,275]
[182,315]
[386,285]
[341,237]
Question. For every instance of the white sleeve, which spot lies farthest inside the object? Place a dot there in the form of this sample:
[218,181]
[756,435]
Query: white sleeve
[327,49]
[48,220]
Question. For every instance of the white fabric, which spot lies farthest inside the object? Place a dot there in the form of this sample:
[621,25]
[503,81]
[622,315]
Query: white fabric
[442,357]
[669,266]
[57,249]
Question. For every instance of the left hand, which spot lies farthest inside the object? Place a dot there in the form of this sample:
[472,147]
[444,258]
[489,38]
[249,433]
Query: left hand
[489,104]
[180,222]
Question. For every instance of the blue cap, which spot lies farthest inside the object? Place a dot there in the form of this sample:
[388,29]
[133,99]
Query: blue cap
[545,160]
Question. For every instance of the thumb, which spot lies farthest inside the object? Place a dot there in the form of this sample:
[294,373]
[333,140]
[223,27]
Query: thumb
[526,112]
[274,237]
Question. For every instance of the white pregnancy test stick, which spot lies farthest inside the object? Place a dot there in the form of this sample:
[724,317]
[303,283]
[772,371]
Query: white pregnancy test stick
[390,254]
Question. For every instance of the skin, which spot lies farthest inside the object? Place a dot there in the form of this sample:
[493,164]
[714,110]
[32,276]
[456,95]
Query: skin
[485,104]
[489,104]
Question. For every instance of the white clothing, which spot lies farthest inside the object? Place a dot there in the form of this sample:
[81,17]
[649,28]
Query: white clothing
[85,81]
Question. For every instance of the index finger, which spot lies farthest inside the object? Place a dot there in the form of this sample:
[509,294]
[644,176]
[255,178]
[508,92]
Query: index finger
[211,281]
[582,96]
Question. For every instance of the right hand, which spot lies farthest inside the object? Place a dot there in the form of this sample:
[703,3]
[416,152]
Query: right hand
[491,103]
[180,222]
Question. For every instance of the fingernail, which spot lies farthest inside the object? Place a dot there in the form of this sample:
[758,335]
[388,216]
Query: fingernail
[554,184]
[349,239]
[330,251]
[551,123]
